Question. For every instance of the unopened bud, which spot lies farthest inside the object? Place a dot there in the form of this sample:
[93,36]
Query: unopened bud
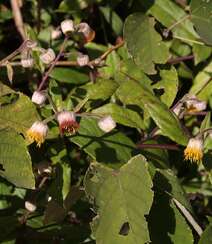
[44,167]
[27,63]
[30,206]
[55,34]
[87,32]
[82,60]
[38,97]
[106,123]
[48,56]
[67,26]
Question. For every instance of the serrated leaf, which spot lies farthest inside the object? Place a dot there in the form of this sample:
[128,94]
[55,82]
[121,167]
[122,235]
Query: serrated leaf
[144,43]
[15,160]
[134,93]
[201,16]
[112,148]
[172,228]
[169,13]
[169,83]
[123,195]
[121,115]
[18,115]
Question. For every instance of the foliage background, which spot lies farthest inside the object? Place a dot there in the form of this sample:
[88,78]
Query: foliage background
[131,185]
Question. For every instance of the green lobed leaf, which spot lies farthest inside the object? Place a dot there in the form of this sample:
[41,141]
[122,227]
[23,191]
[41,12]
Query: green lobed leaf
[144,43]
[69,75]
[123,198]
[121,115]
[131,92]
[112,148]
[169,13]
[15,160]
[169,83]
[202,18]
[20,114]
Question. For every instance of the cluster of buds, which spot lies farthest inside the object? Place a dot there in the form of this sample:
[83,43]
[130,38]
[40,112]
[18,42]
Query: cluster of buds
[83,29]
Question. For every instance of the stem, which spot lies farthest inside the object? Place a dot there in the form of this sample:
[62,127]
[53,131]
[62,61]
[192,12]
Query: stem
[189,217]
[45,77]
[80,105]
[203,87]
[180,59]
[158,146]
[47,120]
[52,103]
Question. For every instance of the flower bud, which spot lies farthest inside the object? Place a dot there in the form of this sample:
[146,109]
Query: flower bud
[67,26]
[27,63]
[82,60]
[30,206]
[194,105]
[55,34]
[106,123]
[48,56]
[38,97]
[44,167]
[67,122]
[87,32]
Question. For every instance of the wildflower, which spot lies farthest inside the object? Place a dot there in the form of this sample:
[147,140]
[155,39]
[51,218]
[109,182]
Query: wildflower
[194,150]
[194,105]
[27,63]
[37,132]
[106,123]
[30,206]
[67,122]
[87,32]
[67,26]
[48,56]
[38,97]
[82,59]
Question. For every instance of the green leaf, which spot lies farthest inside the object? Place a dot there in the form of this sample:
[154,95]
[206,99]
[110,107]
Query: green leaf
[206,237]
[201,53]
[121,115]
[169,83]
[169,13]
[131,92]
[202,18]
[15,160]
[123,196]
[20,114]
[144,43]
[172,227]
[69,75]
[113,19]
[109,148]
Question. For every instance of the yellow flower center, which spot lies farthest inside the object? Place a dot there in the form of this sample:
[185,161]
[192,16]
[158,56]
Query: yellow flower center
[193,154]
[35,136]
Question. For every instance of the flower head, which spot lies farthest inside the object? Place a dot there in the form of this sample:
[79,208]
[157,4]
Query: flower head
[37,132]
[48,56]
[31,207]
[82,59]
[67,122]
[55,34]
[87,32]
[38,97]
[194,105]
[67,26]
[27,63]
[106,123]
[194,150]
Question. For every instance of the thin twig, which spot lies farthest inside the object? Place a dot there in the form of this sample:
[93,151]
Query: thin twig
[45,77]
[189,217]
[18,18]
[159,146]
[180,59]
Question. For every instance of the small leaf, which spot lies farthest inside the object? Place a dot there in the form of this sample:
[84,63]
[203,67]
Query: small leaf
[202,18]
[123,195]
[144,43]
[201,53]
[15,160]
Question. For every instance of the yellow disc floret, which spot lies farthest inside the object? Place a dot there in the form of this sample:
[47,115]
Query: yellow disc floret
[37,133]
[194,150]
